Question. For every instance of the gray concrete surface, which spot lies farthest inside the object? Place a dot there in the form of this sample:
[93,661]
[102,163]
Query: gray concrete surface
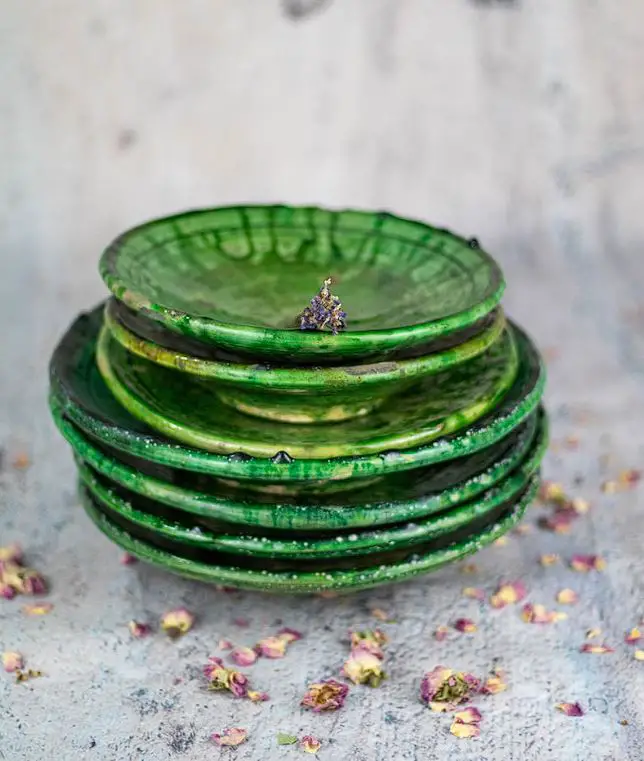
[519,122]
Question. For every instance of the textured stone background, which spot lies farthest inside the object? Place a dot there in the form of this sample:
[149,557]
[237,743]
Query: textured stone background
[519,122]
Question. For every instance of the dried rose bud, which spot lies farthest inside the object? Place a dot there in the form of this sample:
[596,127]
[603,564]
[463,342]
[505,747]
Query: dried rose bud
[328,695]
[12,553]
[560,520]
[370,639]
[7,592]
[12,661]
[231,737]
[244,656]
[570,709]
[635,635]
[442,689]
[508,593]
[363,667]
[138,630]
[31,582]
[310,744]
[175,623]
[585,563]
[465,625]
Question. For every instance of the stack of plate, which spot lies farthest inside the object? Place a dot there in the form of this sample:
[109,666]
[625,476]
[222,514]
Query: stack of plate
[218,439]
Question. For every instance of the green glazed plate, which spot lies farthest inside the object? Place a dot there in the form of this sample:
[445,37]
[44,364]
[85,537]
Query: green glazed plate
[303,394]
[78,389]
[238,277]
[188,409]
[159,519]
[397,497]
[307,582]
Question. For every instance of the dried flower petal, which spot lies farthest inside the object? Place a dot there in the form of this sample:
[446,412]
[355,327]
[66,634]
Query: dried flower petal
[635,635]
[469,715]
[284,739]
[127,559]
[139,630]
[570,709]
[638,655]
[23,676]
[585,563]
[12,661]
[241,622]
[610,487]
[596,649]
[176,623]
[465,625]
[559,521]
[364,667]
[502,541]
[231,737]
[222,678]
[12,553]
[244,656]
[380,614]
[465,730]
[537,614]
[289,635]
[567,597]
[255,696]
[328,695]
[7,592]
[442,689]
[549,559]
[552,492]
[441,633]
[225,644]
[522,529]
[508,593]
[310,744]
[494,683]
[469,568]
[580,506]
[630,477]
[26,581]
[593,633]
[272,647]
[474,593]
[38,609]
[372,640]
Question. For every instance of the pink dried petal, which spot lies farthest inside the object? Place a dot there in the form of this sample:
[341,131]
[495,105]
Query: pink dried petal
[256,696]
[139,630]
[225,644]
[570,709]
[127,559]
[241,622]
[12,661]
[289,635]
[465,625]
[441,633]
[328,695]
[494,683]
[585,563]
[630,477]
[508,593]
[38,609]
[474,593]
[635,635]
[244,656]
[469,715]
[310,744]
[596,649]
[537,614]
[272,647]
[12,553]
[559,521]
[176,623]
[567,597]
[464,731]
[230,737]
[549,559]
[237,684]
[364,667]
[7,592]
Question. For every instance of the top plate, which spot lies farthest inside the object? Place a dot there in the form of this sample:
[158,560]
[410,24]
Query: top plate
[238,277]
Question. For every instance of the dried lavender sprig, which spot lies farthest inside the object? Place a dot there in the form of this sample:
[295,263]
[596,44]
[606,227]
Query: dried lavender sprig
[325,311]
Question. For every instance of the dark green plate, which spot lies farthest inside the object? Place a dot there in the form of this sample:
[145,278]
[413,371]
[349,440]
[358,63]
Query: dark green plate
[303,394]
[238,277]
[78,388]
[160,520]
[396,497]
[190,410]
[306,582]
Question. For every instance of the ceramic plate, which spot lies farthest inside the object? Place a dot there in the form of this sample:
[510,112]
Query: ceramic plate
[78,388]
[306,582]
[160,520]
[301,394]
[397,497]
[239,277]
[188,409]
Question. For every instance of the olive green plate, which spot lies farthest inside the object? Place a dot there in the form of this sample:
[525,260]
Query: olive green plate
[238,277]
[188,409]
[161,520]
[77,387]
[306,582]
[397,497]
[303,394]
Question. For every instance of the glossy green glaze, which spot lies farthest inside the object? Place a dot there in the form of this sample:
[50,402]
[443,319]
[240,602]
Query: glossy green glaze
[238,277]
[397,497]
[163,521]
[77,387]
[187,408]
[306,582]
[303,394]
